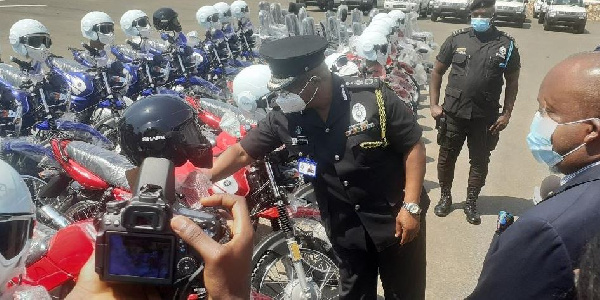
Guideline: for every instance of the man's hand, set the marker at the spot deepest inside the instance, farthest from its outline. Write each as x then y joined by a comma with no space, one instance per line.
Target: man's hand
407,226
436,111
500,124
228,266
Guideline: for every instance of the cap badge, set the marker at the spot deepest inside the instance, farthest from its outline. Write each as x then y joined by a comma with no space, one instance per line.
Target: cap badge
359,112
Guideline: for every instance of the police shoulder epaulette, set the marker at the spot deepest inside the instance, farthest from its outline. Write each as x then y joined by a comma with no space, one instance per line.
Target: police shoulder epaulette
353,83
457,32
508,35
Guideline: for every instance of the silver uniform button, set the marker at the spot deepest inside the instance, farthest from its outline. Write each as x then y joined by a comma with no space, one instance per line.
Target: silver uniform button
357,207
336,157
327,130
346,183
300,154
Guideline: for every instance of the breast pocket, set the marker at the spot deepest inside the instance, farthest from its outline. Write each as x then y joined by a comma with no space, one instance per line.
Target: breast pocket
365,156
300,149
459,64
493,67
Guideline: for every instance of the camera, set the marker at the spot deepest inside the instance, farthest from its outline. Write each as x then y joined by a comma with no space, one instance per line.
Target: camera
135,242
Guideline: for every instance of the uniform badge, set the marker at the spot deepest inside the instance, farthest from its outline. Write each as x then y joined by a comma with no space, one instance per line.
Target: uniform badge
298,130
502,52
359,112
461,50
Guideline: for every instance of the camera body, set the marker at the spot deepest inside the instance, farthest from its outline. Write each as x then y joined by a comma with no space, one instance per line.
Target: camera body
134,240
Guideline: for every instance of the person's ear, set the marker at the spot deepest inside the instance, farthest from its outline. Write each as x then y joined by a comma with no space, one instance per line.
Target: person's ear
593,132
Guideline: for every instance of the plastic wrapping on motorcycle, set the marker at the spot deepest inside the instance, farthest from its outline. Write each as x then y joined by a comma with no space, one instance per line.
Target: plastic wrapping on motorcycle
219,109
68,65
12,75
27,292
26,146
85,133
107,164
193,183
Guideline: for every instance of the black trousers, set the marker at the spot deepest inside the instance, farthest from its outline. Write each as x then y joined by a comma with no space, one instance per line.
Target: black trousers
480,141
401,268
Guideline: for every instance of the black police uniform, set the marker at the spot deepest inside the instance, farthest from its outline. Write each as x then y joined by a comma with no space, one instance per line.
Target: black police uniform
359,181
535,257
472,101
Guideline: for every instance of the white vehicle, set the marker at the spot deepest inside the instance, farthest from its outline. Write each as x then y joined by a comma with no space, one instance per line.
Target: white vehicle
511,11
570,13
537,8
406,6
451,8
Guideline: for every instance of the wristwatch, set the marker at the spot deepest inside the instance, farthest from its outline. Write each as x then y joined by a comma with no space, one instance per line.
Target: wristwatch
412,208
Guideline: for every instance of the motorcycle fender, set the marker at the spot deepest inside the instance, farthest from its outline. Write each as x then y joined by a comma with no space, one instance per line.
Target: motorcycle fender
273,242
72,247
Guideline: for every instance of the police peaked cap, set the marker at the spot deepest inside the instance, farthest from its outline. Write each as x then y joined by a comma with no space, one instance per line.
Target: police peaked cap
477,4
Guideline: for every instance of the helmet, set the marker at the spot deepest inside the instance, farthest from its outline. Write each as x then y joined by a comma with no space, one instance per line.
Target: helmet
164,126
239,9
372,46
98,26
383,17
397,15
135,23
166,19
339,63
17,213
250,85
207,16
224,12
379,26
30,38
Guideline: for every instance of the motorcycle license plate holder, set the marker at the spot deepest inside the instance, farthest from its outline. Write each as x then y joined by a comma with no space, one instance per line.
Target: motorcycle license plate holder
307,167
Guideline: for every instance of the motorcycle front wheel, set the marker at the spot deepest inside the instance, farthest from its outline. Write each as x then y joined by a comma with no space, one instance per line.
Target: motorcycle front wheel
83,210
273,271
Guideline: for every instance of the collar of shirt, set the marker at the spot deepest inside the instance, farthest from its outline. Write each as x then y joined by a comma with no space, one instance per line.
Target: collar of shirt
570,177
336,111
486,36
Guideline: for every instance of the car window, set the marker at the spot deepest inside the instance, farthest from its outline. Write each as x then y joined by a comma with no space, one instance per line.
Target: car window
568,2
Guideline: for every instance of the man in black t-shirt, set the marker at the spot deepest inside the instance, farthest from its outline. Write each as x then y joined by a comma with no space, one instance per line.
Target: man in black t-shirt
360,147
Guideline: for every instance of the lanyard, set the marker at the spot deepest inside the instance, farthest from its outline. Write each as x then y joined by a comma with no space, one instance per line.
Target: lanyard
504,65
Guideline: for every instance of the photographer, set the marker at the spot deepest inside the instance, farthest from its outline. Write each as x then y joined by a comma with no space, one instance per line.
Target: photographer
227,266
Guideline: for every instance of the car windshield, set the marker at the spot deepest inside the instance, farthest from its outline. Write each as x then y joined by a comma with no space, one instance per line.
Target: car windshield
515,1
568,2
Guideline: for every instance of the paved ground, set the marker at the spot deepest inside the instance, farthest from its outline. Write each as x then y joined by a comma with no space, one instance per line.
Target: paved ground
455,248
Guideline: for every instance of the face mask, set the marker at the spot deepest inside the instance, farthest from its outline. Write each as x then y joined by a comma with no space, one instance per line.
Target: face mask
480,24
382,58
539,140
291,103
106,39
38,54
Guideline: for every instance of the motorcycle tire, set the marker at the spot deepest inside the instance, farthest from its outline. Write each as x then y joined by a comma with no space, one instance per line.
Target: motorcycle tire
272,266
83,210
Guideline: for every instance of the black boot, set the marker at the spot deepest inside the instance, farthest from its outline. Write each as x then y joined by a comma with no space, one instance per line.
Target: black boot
473,216
444,207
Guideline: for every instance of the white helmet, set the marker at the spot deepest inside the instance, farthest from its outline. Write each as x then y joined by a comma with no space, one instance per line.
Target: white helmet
385,18
224,12
30,38
17,215
135,23
372,46
250,85
380,26
98,26
343,66
239,9
207,16
397,15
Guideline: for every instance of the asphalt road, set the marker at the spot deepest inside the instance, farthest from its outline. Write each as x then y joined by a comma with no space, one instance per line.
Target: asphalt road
455,249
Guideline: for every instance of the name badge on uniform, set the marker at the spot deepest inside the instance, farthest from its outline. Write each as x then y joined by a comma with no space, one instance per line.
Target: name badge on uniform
360,127
307,167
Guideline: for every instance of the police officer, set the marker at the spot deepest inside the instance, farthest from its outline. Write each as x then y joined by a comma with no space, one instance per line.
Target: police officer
360,146
481,58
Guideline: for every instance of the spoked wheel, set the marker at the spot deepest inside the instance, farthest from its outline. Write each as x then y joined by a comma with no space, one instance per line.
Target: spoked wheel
83,210
275,277
35,185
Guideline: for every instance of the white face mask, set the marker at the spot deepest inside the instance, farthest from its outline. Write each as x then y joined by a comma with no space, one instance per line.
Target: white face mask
38,54
106,39
291,103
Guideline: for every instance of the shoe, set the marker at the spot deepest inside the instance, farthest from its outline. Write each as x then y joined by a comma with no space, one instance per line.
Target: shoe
473,216
444,207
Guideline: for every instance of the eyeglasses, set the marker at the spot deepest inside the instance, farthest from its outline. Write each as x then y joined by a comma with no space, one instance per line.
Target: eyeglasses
104,28
141,22
36,40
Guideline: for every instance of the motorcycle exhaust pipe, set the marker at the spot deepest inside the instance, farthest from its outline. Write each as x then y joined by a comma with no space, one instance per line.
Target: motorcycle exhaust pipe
56,217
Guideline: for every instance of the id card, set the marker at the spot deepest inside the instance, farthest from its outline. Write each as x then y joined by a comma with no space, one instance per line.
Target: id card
307,167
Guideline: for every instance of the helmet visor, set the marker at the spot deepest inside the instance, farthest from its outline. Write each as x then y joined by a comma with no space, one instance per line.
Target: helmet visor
104,28
14,232
141,22
36,40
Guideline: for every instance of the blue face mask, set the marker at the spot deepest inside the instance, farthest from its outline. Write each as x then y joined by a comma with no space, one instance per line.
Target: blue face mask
539,140
481,24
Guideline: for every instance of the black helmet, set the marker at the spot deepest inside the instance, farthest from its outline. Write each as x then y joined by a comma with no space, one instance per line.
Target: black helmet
164,126
166,19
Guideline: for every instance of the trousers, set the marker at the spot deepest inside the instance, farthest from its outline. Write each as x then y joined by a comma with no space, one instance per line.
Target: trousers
480,141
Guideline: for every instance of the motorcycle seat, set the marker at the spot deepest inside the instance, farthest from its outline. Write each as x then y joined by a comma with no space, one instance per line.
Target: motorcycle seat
106,164
12,75
68,65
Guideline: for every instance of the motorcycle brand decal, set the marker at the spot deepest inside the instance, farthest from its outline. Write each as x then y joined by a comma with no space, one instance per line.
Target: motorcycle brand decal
153,138
461,50
307,167
502,52
359,112
227,185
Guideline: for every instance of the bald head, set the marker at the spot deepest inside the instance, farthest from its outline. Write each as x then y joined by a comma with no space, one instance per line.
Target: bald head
572,88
